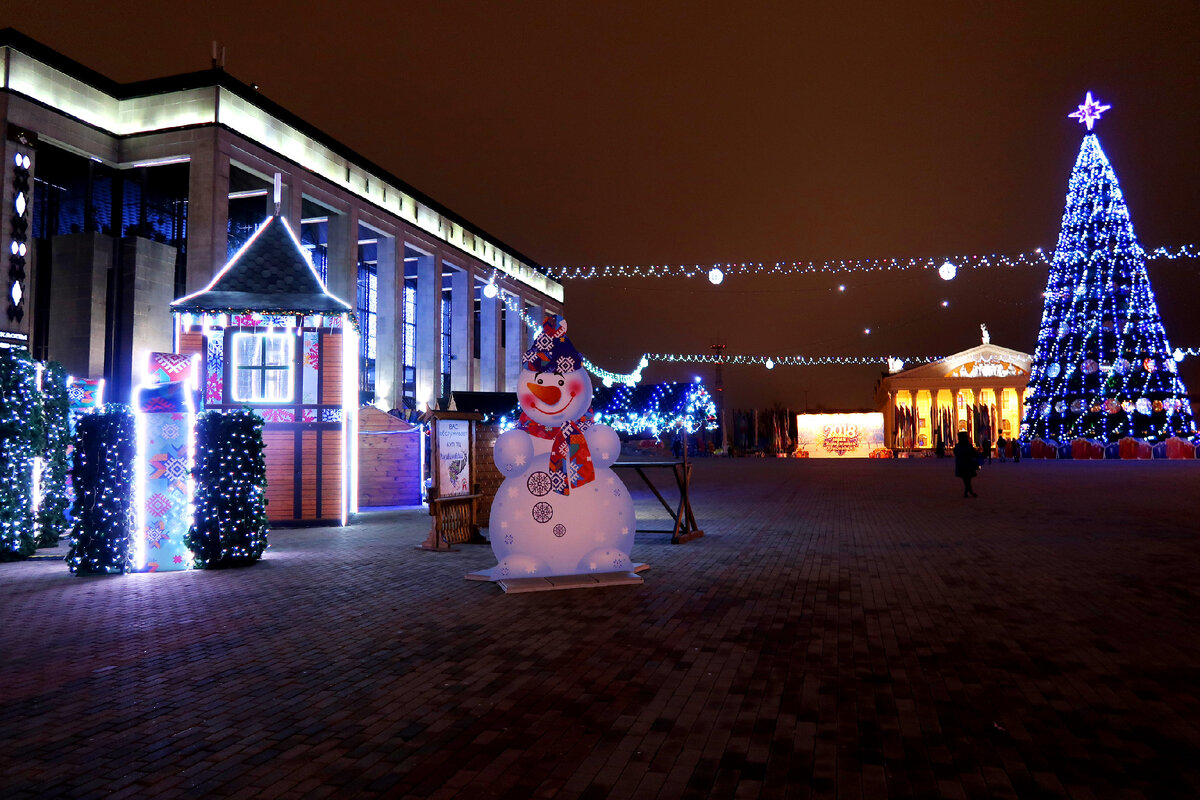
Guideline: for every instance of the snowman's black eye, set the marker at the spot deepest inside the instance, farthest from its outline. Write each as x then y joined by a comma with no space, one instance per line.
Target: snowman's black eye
560,381
539,380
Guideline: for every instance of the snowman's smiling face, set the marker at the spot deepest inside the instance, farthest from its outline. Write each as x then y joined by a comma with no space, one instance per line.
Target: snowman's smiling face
553,399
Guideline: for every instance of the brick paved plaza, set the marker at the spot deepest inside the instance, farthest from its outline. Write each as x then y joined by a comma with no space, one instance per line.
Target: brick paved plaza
849,629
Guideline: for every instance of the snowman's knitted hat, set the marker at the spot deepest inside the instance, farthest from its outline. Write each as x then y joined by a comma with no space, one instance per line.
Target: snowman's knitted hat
551,350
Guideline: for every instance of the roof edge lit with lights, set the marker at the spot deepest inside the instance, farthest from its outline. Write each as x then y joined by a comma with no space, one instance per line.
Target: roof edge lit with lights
213,97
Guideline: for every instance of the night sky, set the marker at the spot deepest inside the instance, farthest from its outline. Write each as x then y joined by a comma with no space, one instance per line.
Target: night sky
671,132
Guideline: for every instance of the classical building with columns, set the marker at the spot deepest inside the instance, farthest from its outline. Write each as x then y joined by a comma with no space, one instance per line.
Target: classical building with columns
131,195
984,377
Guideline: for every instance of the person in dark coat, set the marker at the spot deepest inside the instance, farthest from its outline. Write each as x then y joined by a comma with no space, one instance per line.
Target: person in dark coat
966,463
1002,448
940,448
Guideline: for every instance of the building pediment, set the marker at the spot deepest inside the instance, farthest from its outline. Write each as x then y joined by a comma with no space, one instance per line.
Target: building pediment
982,361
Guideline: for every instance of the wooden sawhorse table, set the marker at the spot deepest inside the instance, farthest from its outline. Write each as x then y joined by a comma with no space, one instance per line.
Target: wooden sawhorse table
686,528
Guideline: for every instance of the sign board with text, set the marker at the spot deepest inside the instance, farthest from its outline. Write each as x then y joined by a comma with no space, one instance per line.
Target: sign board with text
852,435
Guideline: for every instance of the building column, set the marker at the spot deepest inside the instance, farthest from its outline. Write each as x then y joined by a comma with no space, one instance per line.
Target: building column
462,307
489,344
514,342
1020,392
388,369
82,262
208,213
889,420
429,327
536,312
147,284
342,251
291,201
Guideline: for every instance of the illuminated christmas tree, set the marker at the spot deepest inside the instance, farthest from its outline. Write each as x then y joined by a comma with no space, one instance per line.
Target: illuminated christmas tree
1103,368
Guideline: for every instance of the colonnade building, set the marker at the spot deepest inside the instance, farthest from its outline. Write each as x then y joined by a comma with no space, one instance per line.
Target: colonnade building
950,390
119,198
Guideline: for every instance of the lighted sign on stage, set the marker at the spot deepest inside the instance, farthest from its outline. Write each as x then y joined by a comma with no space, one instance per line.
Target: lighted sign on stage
852,435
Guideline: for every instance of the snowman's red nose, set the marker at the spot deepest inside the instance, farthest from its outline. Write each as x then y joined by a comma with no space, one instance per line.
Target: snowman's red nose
547,394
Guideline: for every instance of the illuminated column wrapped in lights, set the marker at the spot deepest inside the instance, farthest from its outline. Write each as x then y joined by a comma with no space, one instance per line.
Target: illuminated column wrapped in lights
1103,368
102,472
230,510
56,427
19,420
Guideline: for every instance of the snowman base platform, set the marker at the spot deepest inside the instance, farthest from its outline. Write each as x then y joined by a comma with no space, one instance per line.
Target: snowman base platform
592,580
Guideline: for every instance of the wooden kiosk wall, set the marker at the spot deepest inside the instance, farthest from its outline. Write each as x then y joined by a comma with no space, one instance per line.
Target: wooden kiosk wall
304,442
389,460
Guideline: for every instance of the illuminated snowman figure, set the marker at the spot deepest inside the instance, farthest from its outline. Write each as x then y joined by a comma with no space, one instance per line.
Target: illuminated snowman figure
560,510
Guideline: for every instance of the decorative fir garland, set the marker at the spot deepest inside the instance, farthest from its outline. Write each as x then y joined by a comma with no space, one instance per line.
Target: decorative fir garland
230,524
20,442
103,476
56,411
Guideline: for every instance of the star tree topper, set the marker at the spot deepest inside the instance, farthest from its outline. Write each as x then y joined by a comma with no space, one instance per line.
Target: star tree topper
1090,111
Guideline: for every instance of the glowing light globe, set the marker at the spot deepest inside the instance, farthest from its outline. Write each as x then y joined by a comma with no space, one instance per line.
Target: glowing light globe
490,290
715,276
947,271
770,364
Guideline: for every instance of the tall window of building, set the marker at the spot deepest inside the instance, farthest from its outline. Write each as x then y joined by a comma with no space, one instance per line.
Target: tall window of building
408,332
314,235
446,351
477,320
368,306
249,205
73,194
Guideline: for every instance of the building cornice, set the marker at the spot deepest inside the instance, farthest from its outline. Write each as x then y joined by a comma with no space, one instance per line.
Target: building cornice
213,97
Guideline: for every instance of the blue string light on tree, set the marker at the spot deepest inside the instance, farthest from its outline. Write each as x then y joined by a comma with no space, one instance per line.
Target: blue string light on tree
1103,368
649,410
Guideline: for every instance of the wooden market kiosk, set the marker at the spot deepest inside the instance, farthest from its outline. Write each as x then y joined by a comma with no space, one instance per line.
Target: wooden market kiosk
270,336
949,391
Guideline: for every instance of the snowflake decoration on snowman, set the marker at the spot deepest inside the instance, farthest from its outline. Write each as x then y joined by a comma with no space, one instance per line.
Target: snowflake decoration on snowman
561,507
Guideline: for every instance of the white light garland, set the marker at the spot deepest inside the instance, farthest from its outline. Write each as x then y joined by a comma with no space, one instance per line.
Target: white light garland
891,362
771,361
716,273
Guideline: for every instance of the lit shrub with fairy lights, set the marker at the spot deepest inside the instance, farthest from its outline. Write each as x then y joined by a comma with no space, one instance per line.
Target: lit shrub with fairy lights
56,424
102,472
230,525
20,442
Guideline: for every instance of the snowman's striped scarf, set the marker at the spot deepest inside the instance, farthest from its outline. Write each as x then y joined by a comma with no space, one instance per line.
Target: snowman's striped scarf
570,459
